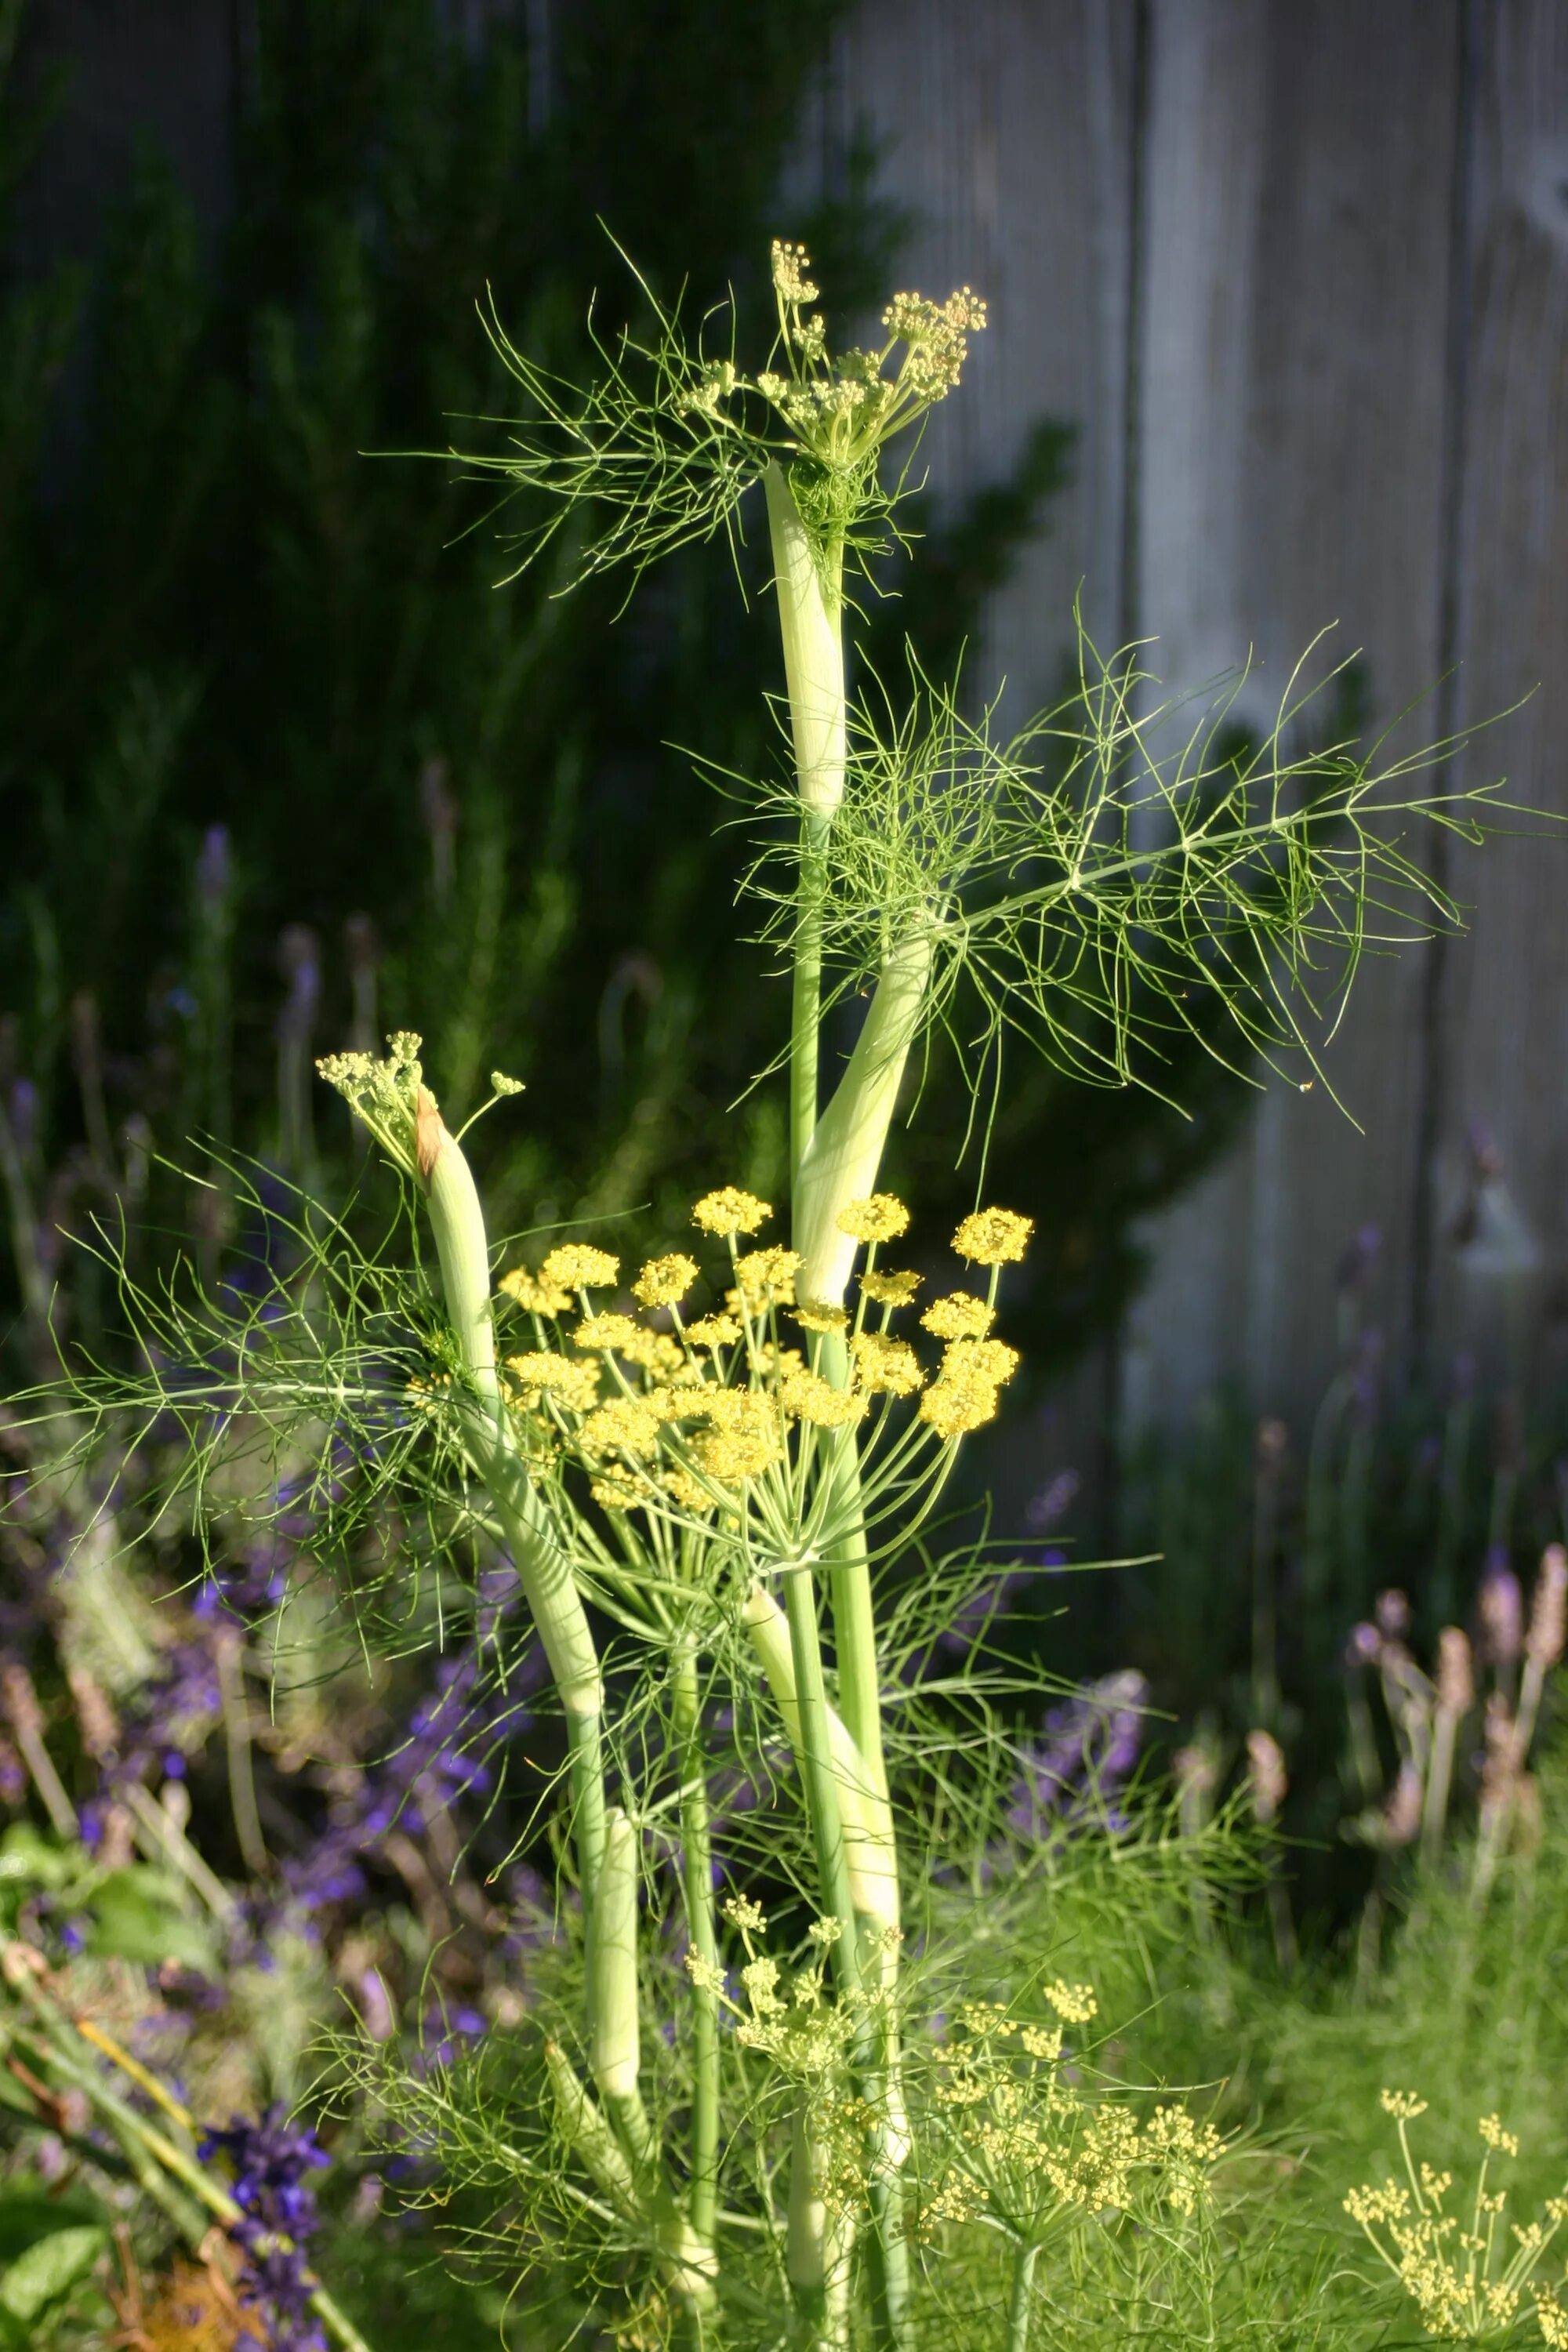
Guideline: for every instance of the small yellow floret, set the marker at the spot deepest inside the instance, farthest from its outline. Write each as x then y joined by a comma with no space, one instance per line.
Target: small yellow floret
811,1317
577,1265
817,1401
766,1276
537,1297
602,1332
731,1210
1404,2105
959,1316
991,1362
665,1281
891,1290
878,1218
713,1331
1492,2131
625,1426
540,1373
885,1366
1074,2004
992,1237
953,1409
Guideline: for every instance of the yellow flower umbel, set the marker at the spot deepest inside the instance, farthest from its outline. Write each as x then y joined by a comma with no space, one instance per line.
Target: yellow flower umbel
1029,2149
1467,2275
731,1210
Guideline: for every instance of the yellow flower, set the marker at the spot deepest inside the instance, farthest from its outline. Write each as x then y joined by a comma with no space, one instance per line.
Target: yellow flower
991,1362
952,1410
1492,2131
577,1386
731,1210
713,1331
959,1316
624,1426
654,1352
743,1437
878,1218
812,1317
884,1365
616,1494
579,1266
891,1290
665,1281
992,1237
1074,2004
683,1488
1404,2105
767,1275
604,1332
537,1297
818,1402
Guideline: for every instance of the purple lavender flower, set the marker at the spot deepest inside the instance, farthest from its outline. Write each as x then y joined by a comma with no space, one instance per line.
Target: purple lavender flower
270,2159
1090,1752
444,2030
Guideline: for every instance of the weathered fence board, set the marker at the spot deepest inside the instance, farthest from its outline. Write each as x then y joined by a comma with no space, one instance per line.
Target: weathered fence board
1005,129
1291,440
1504,1026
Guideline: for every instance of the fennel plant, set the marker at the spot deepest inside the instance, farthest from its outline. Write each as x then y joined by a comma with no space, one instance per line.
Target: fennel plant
715,1506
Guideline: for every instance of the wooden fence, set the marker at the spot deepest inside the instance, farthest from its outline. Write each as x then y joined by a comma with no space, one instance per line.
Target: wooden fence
1298,269
1298,272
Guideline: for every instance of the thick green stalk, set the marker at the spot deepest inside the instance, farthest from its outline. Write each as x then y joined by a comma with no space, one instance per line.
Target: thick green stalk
888,2247
614,2026
849,1587
814,1753
550,1588
806,1009
817,2245
808,579
864,1823
1021,2302
701,1924
844,1156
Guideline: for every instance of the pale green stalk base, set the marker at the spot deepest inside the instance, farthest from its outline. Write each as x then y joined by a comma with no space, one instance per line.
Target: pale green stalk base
1020,2304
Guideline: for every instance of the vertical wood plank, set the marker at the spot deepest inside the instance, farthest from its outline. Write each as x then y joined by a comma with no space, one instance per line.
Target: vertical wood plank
1504,1041
1300,177
1004,128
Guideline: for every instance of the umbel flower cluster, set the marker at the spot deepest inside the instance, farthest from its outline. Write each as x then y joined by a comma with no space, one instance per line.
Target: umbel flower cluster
1467,2273
704,1418
842,409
